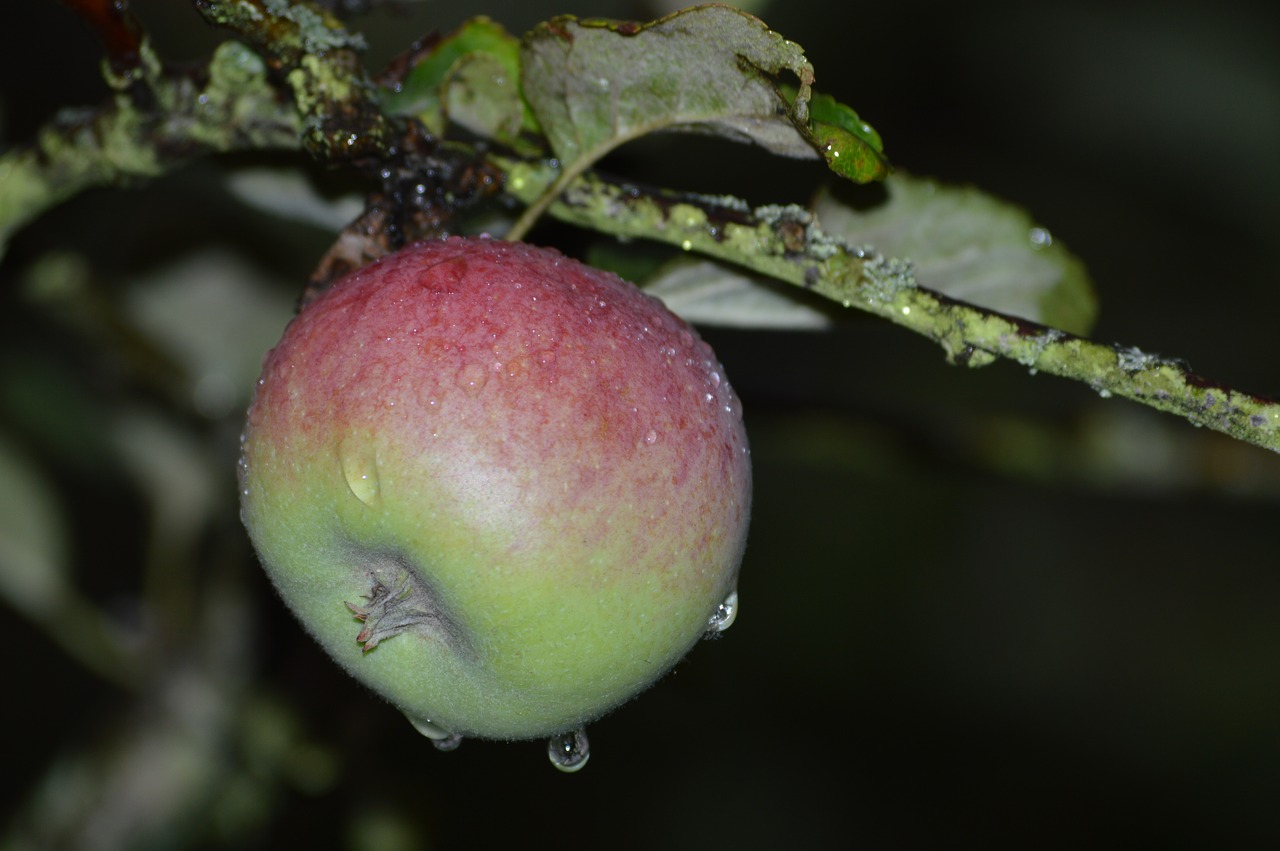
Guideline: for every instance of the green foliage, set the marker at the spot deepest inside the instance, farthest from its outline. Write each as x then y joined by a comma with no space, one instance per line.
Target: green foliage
470,78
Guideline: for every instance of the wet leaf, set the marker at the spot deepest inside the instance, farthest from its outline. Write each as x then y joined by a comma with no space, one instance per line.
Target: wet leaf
707,293
851,146
594,84
971,246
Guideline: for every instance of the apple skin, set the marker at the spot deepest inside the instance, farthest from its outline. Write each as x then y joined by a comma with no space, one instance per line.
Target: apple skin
530,480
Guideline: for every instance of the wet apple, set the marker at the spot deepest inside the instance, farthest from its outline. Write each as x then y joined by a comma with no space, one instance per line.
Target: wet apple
505,490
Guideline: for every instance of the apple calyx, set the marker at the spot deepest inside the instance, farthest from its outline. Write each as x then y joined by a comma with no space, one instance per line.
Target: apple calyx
390,609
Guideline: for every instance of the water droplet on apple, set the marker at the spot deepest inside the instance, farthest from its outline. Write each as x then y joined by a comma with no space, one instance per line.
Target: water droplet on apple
471,378
441,738
569,751
735,406
723,617
360,469
651,438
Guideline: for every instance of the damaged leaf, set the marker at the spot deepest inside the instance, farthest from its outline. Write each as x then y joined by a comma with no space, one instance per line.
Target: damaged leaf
594,84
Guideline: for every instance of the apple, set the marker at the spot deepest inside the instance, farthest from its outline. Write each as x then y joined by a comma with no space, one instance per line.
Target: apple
503,489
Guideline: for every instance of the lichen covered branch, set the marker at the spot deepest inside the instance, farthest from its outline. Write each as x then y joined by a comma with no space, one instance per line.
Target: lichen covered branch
319,61
786,243
157,120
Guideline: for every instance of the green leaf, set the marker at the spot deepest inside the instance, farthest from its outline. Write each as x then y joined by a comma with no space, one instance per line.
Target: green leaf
971,246
594,85
470,78
851,146
482,94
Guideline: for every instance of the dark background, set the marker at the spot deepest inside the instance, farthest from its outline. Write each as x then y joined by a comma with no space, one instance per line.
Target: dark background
978,608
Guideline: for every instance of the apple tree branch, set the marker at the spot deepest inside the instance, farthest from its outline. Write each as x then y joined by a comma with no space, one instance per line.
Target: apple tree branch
788,244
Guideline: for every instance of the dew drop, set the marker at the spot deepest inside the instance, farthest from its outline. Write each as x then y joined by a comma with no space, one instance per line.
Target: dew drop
471,378
723,617
360,469
735,406
569,751
1040,238
651,438
441,738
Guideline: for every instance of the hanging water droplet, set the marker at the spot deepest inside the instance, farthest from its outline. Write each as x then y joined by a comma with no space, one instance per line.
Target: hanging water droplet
1040,238
723,617
569,751
448,743
439,736
360,469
